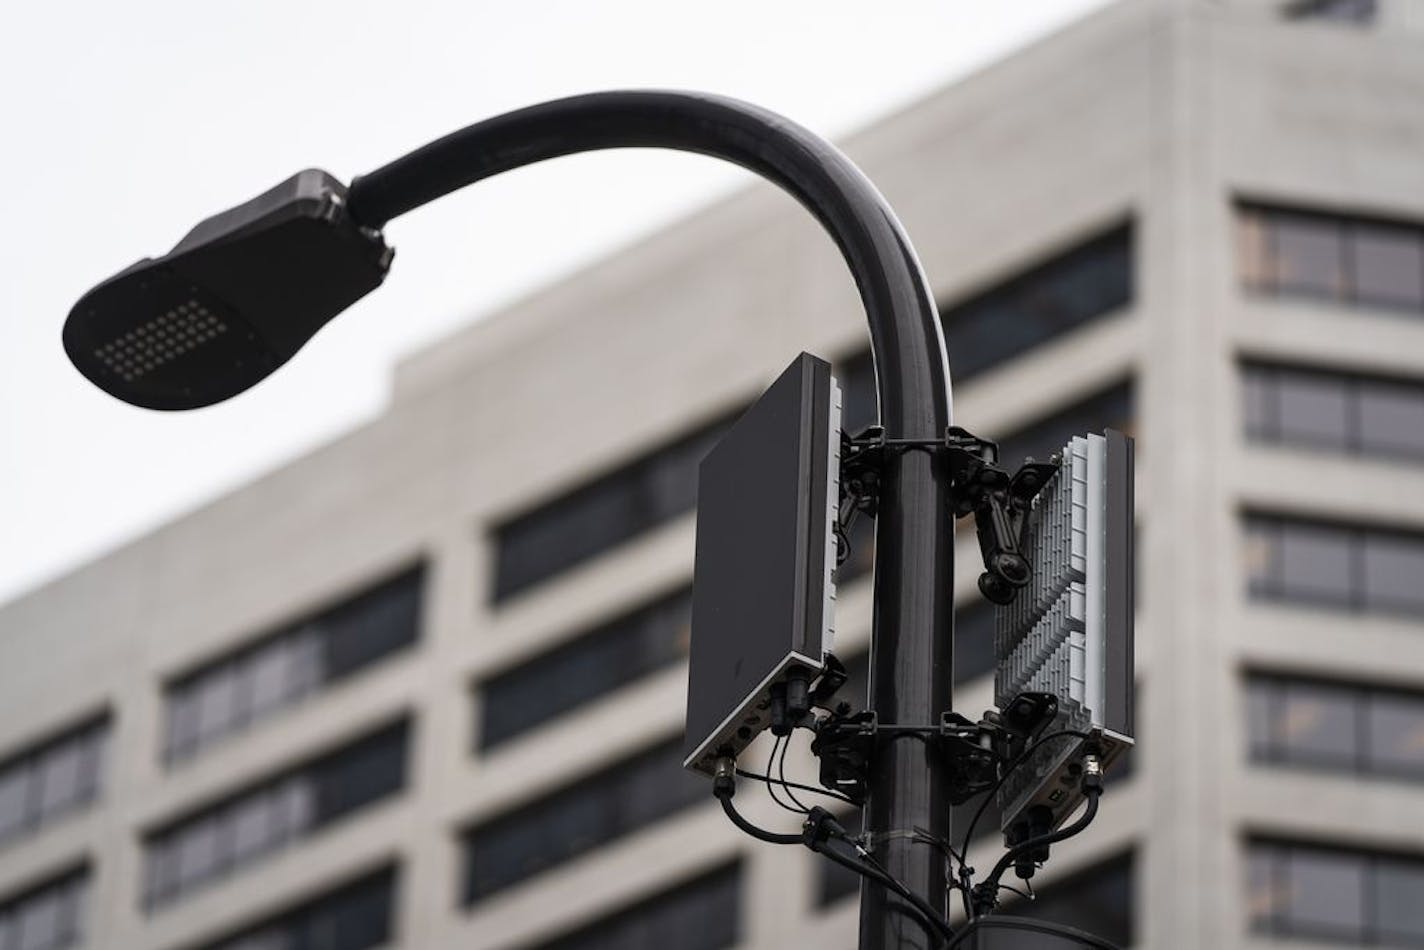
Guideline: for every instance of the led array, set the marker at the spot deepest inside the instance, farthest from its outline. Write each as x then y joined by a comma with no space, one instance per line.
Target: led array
160,340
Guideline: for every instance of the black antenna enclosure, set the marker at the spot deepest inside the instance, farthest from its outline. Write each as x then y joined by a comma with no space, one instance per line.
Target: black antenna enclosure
763,597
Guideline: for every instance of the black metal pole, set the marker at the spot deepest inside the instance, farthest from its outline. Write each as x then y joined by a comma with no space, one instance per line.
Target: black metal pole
914,574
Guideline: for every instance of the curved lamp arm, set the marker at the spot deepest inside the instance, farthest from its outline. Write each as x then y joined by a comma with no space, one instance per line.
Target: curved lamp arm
245,289
914,576
906,338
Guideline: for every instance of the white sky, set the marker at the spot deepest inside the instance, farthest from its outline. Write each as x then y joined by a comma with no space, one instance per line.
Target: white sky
125,123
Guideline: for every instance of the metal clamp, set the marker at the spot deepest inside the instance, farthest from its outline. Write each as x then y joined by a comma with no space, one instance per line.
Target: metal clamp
978,486
847,744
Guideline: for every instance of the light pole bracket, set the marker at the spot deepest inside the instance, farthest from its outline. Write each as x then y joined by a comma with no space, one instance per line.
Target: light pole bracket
978,486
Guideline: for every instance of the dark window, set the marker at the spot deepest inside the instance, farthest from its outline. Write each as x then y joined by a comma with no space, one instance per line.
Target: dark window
973,653
704,914
1341,258
858,410
354,917
48,917
587,814
856,690
1340,11
223,838
1335,894
1109,409
992,327
585,668
51,779
856,376
1367,569
1337,726
973,640
232,693
834,882
1098,900
1338,412
1040,304
636,498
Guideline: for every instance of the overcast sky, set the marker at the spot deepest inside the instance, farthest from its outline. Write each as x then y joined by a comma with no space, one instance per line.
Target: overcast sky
125,123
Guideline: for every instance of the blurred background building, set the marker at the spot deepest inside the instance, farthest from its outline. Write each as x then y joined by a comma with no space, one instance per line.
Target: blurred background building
424,686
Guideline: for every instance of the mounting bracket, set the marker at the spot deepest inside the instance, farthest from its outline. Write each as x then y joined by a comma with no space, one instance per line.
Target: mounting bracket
978,486
848,743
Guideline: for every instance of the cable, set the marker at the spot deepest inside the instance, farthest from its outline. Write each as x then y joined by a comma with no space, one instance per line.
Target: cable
822,828
1001,922
819,827
781,776
761,834
1018,760
991,883
1026,895
933,923
942,844
838,796
770,786
966,890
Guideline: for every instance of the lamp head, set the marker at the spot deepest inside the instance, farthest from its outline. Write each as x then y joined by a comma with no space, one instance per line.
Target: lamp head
234,300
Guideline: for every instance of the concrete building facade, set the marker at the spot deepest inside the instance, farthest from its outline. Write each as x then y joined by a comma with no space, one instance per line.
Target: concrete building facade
419,687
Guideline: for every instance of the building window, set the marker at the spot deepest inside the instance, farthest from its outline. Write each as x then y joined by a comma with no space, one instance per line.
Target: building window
224,838
1350,260
1367,569
973,653
1355,897
1051,298
572,821
48,917
52,779
1339,11
621,505
704,914
835,882
973,640
587,667
1336,726
1337,412
856,376
243,688
1109,409
1044,302
356,916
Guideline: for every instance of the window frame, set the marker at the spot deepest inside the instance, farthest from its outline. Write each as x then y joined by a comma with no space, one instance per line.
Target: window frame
304,639
163,846
1267,860
1263,385
90,740
1268,749
1268,582
572,794
624,630
1259,259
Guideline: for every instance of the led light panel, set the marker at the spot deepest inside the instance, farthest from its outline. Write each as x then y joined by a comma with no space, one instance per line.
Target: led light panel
231,302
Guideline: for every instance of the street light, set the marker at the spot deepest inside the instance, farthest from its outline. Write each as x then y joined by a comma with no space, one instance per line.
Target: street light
234,300
246,289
